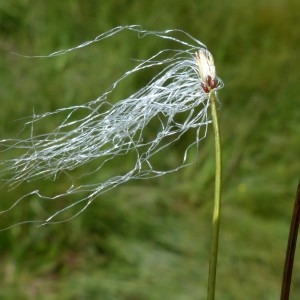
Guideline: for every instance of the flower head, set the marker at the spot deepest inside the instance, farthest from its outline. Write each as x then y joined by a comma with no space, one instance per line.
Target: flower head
207,70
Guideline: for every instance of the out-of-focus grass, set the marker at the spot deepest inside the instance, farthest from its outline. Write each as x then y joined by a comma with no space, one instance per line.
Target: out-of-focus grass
150,239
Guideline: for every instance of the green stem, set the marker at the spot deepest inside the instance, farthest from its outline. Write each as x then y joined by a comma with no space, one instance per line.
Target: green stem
217,201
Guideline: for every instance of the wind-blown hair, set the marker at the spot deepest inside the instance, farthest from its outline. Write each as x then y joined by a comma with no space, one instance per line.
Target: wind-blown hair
99,131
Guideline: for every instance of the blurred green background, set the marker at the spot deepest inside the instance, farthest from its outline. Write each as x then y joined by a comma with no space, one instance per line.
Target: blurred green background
151,239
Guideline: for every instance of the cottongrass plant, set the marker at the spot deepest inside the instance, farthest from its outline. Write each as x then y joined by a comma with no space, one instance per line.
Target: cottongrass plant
96,133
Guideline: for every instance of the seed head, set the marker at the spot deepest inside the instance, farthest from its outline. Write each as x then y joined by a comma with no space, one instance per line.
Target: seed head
207,70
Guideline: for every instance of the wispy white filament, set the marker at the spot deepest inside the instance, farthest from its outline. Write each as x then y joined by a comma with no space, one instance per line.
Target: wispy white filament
99,131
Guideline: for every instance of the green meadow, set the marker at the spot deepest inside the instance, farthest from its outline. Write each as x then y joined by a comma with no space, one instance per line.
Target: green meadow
150,239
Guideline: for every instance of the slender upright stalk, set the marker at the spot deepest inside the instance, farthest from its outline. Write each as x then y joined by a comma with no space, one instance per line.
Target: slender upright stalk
291,247
217,201
209,82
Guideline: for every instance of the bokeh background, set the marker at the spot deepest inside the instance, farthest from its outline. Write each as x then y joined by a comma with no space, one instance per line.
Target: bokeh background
151,239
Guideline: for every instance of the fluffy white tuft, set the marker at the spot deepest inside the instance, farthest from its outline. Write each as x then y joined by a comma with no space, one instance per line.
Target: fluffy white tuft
98,132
